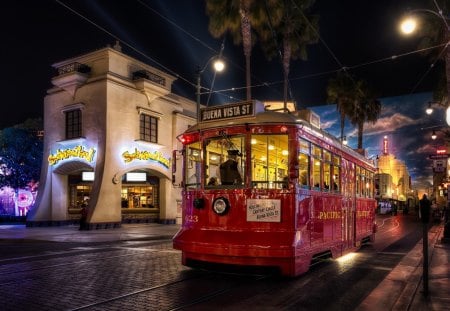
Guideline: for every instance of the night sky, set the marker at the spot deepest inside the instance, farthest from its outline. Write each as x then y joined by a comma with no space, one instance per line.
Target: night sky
361,35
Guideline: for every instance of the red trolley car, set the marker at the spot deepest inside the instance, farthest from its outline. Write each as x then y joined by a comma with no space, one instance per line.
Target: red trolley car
302,193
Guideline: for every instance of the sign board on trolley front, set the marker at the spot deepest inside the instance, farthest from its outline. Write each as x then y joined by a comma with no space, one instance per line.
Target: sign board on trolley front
263,210
238,110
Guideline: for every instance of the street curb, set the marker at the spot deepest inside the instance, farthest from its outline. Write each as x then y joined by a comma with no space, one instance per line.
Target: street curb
412,287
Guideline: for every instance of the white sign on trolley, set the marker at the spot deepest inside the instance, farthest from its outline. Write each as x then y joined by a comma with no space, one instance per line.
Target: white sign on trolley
264,210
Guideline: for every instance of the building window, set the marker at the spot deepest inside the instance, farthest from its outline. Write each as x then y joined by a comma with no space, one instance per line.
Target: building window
73,124
148,128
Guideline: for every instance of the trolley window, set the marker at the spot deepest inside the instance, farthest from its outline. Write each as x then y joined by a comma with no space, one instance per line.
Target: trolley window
336,173
304,163
326,170
269,161
316,167
358,181
224,161
364,184
370,183
193,165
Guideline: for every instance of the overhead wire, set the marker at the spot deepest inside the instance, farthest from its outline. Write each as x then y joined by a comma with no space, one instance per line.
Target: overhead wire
122,41
233,89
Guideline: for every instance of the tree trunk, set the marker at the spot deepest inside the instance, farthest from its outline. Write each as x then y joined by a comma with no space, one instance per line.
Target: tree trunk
360,134
247,44
342,125
286,61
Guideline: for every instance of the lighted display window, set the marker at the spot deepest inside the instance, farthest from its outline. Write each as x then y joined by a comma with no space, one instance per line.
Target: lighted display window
140,196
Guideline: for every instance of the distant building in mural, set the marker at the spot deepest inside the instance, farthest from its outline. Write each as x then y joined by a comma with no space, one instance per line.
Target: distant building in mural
393,182
111,124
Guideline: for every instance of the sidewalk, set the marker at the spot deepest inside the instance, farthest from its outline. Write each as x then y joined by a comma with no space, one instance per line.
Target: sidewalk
72,234
402,289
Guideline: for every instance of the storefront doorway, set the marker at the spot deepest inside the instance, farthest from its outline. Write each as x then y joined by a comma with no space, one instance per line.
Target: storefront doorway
140,197
79,190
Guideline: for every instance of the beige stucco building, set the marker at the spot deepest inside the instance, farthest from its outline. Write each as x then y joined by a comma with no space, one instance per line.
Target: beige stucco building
110,124
393,178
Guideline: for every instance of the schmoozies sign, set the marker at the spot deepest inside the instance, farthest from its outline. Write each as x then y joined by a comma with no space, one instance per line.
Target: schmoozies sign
76,152
137,154
231,111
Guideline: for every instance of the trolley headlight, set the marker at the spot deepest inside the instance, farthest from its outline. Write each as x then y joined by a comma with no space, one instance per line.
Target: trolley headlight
221,206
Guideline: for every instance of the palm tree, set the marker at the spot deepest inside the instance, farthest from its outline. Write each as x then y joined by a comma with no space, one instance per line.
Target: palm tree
367,108
287,22
233,16
341,91
238,17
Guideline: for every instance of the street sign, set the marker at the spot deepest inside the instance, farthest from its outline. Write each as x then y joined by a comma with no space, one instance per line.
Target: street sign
439,156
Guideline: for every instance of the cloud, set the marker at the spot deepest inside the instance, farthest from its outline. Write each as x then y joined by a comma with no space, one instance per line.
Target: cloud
389,124
324,125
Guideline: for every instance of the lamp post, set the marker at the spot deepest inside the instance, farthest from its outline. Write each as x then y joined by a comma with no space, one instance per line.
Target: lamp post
219,66
409,25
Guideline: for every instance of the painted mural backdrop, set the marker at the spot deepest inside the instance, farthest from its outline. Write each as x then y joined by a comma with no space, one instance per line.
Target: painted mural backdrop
407,127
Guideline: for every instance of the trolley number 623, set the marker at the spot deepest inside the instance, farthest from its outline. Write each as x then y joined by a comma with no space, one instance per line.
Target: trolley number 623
191,218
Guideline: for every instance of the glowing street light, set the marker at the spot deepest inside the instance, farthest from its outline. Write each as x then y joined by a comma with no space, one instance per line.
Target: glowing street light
409,25
218,66
429,109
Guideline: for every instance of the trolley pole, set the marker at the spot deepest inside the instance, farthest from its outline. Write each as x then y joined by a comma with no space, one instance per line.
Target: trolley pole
425,258
425,207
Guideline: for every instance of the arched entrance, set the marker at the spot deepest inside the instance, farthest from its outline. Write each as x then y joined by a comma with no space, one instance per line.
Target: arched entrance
80,177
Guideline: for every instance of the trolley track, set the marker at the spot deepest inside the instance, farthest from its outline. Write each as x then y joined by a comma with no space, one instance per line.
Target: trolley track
91,251
211,285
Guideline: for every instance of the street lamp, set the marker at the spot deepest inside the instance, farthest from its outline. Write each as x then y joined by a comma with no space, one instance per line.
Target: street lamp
409,25
433,136
429,109
219,66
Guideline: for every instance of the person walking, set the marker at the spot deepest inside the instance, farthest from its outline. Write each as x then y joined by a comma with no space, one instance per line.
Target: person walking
83,218
425,209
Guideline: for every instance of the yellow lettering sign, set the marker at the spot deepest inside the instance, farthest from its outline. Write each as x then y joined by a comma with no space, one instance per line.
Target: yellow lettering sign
76,152
362,214
329,215
146,155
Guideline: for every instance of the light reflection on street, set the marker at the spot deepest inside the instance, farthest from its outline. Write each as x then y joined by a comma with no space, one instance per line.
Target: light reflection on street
392,225
347,261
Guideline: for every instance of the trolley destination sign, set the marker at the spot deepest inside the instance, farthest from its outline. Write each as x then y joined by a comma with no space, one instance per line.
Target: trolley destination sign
238,110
